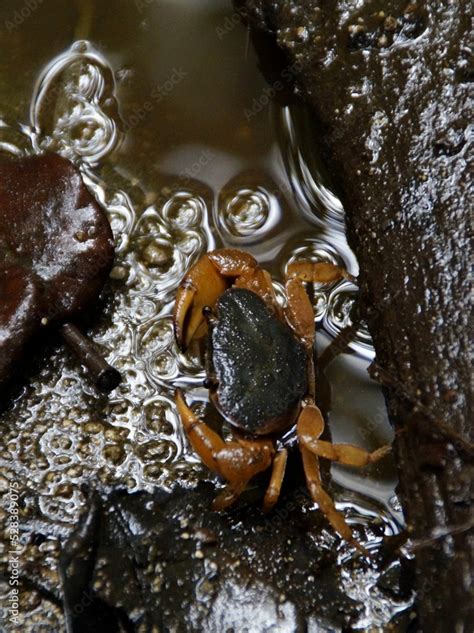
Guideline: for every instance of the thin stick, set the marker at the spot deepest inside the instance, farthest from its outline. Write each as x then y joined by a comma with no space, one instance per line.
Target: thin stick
105,377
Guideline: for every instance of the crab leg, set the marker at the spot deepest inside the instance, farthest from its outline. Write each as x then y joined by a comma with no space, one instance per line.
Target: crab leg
345,453
206,442
246,273
318,272
237,461
259,281
299,312
324,501
278,474
310,429
300,316
231,262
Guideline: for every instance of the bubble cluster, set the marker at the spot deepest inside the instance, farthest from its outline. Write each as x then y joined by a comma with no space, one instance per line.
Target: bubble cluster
73,109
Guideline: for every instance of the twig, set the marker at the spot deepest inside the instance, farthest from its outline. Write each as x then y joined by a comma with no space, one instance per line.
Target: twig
105,377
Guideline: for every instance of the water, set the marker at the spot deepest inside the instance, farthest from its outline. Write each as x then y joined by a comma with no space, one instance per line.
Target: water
156,105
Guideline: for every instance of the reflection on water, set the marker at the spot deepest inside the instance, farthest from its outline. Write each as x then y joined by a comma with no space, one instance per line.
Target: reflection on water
163,142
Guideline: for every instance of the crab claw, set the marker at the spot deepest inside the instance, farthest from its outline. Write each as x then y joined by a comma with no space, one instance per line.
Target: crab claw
201,287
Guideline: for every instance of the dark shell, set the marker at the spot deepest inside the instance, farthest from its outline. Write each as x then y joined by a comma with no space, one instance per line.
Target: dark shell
260,365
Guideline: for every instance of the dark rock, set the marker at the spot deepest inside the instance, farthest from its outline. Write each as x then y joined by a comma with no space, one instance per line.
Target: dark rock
390,86
56,251
147,560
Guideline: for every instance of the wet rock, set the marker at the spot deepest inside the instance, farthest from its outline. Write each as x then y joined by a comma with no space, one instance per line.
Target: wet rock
159,560
390,87
56,251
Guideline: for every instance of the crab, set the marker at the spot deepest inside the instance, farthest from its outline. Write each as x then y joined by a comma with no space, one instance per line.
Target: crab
260,375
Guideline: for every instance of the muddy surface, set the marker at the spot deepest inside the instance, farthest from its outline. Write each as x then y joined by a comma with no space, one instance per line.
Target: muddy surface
390,83
182,569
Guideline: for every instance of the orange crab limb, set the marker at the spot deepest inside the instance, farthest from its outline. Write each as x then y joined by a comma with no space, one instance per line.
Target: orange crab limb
231,262
245,271
345,453
324,501
278,474
201,287
310,428
243,459
318,272
259,281
204,440
311,425
227,497
237,462
300,313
